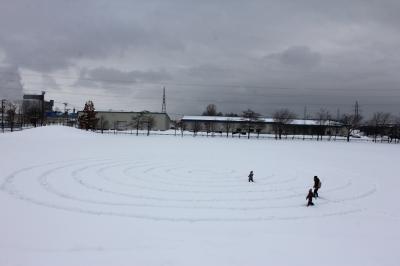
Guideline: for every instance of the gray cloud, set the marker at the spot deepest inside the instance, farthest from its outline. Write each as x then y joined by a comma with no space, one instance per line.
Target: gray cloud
260,54
115,76
49,82
298,56
118,81
52,35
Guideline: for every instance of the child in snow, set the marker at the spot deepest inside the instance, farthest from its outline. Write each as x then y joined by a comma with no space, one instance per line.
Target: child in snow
251,176
310,197
317,185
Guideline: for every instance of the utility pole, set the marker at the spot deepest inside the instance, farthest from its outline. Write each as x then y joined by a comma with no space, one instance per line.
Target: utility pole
337,120
20,117
65,113
357,117
164,104
304,121
43,111
2,114
338,115
73,117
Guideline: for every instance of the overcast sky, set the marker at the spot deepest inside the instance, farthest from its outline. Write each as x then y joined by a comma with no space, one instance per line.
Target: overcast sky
262,55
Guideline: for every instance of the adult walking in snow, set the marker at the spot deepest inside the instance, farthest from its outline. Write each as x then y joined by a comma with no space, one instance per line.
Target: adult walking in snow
310,197
317,185
251,176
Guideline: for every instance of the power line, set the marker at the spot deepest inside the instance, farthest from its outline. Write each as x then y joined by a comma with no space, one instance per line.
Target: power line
266,95
189,84
236,101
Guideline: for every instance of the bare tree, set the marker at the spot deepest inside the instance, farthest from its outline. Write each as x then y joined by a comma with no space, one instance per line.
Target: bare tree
347,121
228,126
350,122
211,110
103,123
196,127
282,118
137,121
379,121
149,121
182,126
395,134
252,118
239,130
259,128
11,115
175,124
209,126
323,116
20,116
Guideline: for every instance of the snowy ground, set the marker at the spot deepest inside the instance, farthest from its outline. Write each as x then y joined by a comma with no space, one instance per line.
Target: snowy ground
70,197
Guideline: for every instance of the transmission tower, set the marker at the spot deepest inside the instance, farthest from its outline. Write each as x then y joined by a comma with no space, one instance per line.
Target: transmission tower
164,104
356,113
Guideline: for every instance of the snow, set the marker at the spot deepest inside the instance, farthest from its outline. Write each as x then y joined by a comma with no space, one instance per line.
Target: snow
71,197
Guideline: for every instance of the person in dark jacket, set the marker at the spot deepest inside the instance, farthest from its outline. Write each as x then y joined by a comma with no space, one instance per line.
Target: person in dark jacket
317,185
251,176
310,197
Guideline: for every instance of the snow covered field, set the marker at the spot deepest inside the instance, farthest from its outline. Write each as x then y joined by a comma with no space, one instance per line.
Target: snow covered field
70,197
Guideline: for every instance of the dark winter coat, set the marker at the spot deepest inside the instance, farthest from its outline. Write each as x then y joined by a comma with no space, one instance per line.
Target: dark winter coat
310,196
317,183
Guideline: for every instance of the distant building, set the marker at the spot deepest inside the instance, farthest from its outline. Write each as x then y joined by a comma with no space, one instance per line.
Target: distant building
37,99
241,125
35,107
121,120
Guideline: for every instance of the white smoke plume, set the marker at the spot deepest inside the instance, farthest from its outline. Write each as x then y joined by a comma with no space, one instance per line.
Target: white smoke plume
11,87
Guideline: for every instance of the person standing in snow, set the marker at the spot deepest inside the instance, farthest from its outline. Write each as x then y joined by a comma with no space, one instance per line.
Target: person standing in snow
251,176
310,197
317,185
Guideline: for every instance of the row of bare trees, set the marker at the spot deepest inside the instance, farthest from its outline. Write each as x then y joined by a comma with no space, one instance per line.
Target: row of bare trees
282,118
383,124
15,114
322,123
143,119
251,122
8,115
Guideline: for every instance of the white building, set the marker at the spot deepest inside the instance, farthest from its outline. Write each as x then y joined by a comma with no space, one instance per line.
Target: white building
241,125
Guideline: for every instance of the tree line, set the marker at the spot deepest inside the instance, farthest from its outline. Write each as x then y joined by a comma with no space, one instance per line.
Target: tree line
17,114
381,124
